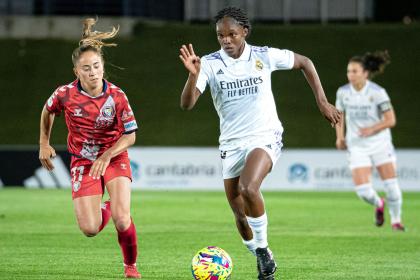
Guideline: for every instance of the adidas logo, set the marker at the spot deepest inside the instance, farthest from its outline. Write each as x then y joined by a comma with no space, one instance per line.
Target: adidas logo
59,177
220,72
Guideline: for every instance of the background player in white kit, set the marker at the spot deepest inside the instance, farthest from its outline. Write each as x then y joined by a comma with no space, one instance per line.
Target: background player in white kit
368,119
239,76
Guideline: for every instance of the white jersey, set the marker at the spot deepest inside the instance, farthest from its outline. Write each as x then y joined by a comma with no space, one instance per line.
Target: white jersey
241,91
362,109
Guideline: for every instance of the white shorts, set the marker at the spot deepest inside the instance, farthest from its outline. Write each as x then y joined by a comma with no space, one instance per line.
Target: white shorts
233,160
358,159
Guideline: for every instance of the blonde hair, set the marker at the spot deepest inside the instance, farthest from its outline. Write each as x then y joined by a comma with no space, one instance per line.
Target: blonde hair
92,40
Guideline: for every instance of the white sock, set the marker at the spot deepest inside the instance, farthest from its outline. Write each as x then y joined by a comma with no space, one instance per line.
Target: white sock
394,198
251,245
368,194
259,230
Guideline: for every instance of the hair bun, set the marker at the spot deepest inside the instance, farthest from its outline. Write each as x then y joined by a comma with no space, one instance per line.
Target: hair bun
376,62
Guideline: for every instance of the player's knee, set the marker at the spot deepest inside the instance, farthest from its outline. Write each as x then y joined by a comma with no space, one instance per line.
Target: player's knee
249,189
122,222
89,230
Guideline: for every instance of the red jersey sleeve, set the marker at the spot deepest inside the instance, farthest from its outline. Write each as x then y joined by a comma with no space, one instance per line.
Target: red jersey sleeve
54,104
125,116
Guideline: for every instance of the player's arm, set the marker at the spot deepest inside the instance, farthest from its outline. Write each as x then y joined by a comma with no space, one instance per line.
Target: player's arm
192,63
100,164
388,121
46,152
340,143
328,111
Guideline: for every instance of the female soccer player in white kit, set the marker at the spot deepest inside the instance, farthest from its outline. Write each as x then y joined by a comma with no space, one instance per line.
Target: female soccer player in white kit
368,119
239,76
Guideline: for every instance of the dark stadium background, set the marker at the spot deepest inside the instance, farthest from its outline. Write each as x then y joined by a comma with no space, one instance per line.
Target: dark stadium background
153,76
323,233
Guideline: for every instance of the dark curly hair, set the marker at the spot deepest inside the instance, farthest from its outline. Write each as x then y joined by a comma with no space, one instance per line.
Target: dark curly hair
237,14
373,62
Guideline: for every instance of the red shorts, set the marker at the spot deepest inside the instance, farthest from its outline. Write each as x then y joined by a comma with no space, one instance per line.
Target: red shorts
84,185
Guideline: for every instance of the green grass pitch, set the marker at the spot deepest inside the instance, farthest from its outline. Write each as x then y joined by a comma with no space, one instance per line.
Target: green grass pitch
314,235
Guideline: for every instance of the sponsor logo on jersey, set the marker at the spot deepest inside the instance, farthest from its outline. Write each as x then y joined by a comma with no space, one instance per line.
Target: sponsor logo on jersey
244,87
259,65
90,150
77,112
220,72
241,83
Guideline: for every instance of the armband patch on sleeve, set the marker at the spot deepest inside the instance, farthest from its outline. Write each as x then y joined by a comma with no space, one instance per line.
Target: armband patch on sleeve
129,126
385,106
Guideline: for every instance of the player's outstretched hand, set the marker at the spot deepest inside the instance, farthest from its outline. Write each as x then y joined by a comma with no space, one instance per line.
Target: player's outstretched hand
99,166
46,153
190,60
331,113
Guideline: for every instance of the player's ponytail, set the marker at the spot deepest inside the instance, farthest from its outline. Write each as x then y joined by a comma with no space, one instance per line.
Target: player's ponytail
373,62
93,40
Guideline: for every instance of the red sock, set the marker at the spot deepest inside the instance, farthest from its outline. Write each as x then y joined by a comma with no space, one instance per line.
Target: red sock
106,214
128,244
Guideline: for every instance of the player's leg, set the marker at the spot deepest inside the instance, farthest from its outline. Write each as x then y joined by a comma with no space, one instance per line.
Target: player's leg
233,162
236,203
88,214
87,194
117,181
388,175
361,169
365,191
120,195
258,164
362,181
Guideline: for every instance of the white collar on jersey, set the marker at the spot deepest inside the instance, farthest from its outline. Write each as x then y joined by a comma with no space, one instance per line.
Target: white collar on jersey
246,54
362,91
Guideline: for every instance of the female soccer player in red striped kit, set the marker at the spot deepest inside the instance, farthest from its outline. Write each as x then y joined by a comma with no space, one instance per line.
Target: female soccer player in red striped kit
101,126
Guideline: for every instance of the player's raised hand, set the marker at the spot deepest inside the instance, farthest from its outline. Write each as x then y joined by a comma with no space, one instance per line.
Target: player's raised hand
331,113
191,61
46,153
99,166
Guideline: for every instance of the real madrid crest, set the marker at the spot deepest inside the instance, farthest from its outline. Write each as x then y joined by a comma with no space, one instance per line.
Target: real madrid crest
259,65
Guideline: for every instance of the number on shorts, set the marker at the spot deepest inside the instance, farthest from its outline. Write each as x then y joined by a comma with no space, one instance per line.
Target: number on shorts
74,173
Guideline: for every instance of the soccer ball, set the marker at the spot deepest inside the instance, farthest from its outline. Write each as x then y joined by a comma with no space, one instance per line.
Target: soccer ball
211,263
